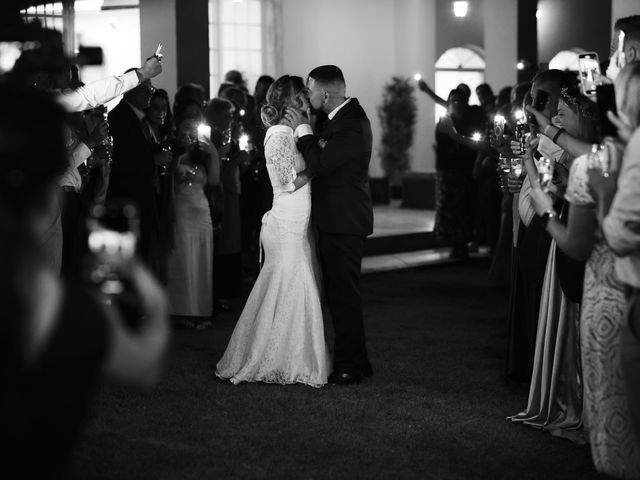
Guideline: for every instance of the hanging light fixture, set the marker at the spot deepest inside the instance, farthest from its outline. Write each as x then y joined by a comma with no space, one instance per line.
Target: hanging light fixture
460,9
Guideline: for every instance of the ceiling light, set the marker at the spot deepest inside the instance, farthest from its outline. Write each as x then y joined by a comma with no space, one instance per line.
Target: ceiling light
460,9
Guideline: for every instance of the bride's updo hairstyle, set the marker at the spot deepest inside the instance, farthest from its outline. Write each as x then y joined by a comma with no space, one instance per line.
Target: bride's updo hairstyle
287,91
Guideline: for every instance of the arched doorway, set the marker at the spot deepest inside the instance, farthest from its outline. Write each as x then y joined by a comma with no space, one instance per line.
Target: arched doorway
459,65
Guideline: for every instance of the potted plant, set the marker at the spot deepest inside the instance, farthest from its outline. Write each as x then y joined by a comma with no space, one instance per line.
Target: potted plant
397,115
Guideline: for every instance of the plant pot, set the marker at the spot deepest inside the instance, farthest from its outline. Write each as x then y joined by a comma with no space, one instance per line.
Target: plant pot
396,192
419,191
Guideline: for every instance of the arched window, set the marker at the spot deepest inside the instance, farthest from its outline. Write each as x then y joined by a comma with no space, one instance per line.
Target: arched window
459,65
566,60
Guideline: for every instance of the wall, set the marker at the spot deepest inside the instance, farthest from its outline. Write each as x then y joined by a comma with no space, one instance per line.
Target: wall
415,51
458,32
567,24
158,25
357,35
623,8
117,32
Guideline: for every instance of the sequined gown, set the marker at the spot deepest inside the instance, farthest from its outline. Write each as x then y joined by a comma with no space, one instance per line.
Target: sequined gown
279,337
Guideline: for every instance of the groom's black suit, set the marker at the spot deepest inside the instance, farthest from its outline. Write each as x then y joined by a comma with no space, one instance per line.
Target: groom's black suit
342,213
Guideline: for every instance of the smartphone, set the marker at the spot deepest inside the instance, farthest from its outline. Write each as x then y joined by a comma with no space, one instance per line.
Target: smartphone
589,68
606,99
204,131
113,232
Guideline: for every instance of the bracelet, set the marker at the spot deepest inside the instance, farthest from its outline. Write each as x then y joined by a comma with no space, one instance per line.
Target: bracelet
558,133
546,129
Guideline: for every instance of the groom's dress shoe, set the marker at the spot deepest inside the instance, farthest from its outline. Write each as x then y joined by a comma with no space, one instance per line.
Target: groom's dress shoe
342,378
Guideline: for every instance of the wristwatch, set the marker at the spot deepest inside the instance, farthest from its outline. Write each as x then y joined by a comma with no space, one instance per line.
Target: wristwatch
547,216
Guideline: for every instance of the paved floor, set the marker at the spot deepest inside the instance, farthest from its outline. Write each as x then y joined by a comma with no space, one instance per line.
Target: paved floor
393,220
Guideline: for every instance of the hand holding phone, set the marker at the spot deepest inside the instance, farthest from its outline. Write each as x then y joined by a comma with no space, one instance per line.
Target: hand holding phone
589,68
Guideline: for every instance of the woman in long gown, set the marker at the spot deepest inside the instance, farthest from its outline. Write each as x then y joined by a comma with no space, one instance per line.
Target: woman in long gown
613,446
190,263
279,337
555,401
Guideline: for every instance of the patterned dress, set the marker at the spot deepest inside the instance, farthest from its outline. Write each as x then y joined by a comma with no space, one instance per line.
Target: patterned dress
613,446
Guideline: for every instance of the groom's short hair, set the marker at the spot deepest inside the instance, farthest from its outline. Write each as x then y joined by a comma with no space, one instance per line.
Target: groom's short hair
327,75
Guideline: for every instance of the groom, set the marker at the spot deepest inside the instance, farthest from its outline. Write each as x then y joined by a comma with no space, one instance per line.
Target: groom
338,162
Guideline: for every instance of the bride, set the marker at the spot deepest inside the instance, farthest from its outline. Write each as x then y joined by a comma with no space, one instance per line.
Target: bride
279,337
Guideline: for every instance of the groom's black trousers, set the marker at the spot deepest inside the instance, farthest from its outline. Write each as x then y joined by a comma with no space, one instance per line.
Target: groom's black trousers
341,260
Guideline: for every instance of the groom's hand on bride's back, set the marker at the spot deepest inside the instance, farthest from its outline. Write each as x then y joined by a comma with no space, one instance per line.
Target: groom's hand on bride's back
294,118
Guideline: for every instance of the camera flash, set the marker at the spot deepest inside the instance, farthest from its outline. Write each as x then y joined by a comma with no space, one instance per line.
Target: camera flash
417,77
476,137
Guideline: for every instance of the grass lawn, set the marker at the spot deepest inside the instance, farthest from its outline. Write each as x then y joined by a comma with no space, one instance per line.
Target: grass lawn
435,408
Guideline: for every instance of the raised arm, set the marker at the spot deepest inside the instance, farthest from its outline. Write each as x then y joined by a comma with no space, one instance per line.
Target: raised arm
281,151
423,86
621,224
106,89
577,237
574,146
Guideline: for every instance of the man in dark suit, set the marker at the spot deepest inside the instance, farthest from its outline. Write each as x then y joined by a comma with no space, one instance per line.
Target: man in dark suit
135,158
338,161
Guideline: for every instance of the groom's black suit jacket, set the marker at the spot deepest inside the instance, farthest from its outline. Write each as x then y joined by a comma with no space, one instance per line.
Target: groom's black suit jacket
341,200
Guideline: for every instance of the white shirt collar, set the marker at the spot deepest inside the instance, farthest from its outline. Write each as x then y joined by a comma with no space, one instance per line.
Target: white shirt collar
335,111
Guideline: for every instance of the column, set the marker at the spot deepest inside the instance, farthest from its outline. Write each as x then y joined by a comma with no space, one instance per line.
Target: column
501,43
415,46
192,28
528,38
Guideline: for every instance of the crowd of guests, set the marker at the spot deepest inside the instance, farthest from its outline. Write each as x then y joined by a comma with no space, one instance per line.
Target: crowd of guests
194,170
563,220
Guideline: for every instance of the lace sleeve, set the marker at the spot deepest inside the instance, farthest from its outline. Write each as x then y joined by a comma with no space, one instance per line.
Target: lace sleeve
281,151
578,187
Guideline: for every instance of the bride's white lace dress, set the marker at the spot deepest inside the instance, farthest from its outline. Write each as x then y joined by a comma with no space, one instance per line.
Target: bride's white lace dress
279,337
